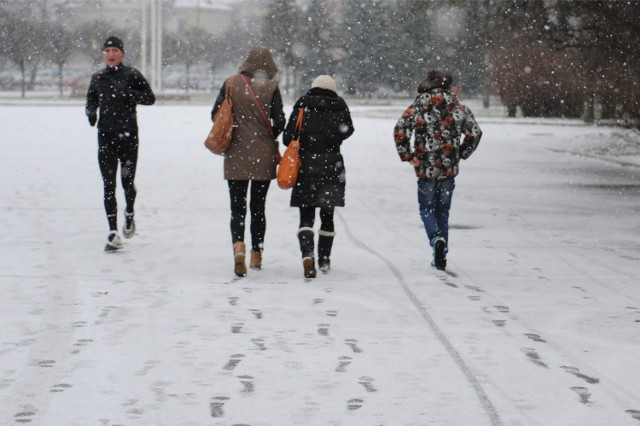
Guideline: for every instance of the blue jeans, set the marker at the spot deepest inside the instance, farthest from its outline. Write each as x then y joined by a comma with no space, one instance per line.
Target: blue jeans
434,202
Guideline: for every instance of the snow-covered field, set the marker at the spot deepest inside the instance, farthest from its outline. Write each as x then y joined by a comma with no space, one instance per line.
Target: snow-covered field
536,322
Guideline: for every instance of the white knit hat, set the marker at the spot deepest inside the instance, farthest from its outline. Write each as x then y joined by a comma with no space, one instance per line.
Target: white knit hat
325,82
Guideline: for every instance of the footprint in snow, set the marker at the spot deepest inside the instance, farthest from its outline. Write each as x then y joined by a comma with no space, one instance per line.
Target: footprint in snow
500,323
247,382
24,416
366,381
577,373
259,343
583,392
82,342
343,362
353,343
61,387
216,404
233,361
535,337
634,413
354,403
323,329
534,357
446,281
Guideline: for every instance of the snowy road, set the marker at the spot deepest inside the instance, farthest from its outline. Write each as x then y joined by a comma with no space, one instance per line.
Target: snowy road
537,321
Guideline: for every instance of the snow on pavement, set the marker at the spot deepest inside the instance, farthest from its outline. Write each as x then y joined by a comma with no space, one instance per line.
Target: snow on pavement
535,323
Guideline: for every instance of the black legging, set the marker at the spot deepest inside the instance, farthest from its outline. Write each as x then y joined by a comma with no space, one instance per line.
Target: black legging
308,217
238,194
113,148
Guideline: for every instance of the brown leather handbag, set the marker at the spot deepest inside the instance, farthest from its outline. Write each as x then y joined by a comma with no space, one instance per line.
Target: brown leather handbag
290,163
219,137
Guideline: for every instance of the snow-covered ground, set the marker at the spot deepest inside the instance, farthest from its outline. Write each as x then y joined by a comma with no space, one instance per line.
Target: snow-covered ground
536,322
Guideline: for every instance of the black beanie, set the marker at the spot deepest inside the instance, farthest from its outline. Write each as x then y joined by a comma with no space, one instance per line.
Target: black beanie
436,79
113,41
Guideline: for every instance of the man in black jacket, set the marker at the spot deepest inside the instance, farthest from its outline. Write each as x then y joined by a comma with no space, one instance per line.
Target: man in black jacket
116,90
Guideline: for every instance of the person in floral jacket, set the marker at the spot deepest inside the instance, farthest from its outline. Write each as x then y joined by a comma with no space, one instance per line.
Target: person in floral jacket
445,132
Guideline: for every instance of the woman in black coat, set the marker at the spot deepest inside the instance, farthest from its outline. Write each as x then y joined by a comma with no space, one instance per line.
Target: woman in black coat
321,179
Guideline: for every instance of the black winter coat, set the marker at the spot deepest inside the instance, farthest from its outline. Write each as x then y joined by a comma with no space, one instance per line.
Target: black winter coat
327,122
117,91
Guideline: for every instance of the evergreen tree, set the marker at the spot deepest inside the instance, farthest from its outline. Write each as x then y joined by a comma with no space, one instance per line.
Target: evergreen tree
317,42
370,46
280,29
415,43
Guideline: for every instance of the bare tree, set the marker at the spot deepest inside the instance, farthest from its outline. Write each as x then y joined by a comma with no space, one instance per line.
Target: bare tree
190,48
60,49
20,40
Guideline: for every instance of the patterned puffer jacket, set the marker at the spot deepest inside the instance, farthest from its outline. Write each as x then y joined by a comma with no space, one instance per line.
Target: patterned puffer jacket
439,122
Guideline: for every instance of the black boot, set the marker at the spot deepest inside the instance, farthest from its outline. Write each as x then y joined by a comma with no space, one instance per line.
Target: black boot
305,236
325,242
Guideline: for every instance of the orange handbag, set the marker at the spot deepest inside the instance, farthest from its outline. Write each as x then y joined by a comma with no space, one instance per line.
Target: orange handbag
219,137
290,163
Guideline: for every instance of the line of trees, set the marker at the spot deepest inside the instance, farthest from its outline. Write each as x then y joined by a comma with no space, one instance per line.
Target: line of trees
553,58
34,35
543,57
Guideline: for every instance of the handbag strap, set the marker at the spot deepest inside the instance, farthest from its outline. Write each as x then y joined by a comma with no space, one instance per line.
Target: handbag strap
229,87
298,128
255,99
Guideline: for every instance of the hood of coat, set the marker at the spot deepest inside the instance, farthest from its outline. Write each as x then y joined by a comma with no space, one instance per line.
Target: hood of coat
259,60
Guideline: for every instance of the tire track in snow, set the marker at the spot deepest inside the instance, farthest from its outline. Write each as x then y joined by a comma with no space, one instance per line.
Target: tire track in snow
453,353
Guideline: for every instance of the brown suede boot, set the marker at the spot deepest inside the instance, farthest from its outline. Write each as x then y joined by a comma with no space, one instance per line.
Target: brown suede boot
240,268
309,267
256,260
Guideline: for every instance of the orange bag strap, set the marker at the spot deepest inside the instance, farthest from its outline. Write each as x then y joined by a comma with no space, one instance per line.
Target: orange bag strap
298,129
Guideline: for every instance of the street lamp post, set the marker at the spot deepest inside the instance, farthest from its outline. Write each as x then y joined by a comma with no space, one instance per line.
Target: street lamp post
155,32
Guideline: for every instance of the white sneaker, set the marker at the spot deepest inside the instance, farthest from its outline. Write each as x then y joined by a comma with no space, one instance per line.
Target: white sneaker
129,229
113,241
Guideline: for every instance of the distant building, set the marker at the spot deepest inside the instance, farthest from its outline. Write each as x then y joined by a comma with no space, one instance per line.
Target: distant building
212,16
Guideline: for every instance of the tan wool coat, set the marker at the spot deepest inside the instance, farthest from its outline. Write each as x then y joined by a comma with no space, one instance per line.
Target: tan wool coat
253,151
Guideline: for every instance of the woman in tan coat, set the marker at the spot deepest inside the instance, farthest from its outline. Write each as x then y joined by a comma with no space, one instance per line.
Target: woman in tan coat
251,160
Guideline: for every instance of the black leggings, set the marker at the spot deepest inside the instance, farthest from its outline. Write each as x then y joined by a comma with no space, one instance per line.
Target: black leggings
308,216
116,147
238,193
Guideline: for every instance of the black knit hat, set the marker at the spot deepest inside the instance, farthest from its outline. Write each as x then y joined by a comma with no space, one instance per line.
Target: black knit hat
113,41
436,79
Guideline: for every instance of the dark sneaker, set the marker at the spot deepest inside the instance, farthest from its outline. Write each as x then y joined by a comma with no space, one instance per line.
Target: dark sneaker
439,255
113,242
129,229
